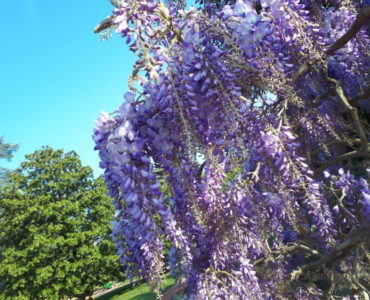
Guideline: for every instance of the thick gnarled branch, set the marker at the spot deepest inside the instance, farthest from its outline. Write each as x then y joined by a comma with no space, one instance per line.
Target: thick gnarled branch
353,239
362,17
365,153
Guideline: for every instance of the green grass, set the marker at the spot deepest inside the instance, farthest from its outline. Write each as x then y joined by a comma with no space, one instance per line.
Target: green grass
140,292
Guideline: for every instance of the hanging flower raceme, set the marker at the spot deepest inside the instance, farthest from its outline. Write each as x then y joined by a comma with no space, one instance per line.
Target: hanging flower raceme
223,151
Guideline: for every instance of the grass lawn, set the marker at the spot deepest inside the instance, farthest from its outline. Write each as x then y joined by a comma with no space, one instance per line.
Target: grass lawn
140,292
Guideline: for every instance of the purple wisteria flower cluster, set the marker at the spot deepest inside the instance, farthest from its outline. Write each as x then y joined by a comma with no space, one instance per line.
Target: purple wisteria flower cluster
244,145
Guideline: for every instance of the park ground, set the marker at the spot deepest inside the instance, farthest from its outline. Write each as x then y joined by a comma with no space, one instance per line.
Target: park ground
126,291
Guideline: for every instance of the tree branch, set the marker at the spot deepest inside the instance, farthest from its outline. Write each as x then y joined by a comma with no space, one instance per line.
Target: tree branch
353,239
349,155
302,70
349,108
362,17
345,210
290,248
344,142
107,23
116,3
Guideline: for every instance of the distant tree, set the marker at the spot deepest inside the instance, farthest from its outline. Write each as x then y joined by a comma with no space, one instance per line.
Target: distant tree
55,226
6,152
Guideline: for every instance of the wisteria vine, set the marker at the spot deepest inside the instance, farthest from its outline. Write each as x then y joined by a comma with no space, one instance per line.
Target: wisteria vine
243,143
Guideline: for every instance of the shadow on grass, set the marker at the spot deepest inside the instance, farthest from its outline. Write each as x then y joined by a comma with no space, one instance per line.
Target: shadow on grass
140,292
145,296
115,292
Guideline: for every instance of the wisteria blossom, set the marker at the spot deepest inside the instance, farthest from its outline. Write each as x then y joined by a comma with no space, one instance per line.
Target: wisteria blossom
243,143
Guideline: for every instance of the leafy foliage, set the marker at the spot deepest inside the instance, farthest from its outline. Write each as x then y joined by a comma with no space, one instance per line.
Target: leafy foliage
55,229
6,152
7,149
258,114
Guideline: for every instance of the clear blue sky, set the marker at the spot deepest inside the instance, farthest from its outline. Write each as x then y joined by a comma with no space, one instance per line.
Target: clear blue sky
56,76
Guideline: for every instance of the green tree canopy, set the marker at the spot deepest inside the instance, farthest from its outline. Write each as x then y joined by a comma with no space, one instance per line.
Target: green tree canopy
7,149
6,152
55,226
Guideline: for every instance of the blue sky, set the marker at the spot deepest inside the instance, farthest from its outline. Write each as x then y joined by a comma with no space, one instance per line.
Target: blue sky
56,76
